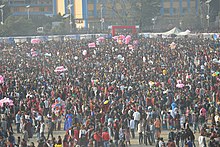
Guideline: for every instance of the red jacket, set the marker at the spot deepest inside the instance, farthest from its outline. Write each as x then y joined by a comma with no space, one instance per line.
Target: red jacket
105,136
97,137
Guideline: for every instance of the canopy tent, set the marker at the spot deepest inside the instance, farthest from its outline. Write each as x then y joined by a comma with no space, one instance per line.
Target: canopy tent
175,31
187,32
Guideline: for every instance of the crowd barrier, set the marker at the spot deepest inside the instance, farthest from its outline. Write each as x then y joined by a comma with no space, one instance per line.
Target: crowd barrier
91,36
52,37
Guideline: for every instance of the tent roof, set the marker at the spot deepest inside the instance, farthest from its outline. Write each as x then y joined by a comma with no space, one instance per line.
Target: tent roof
175,30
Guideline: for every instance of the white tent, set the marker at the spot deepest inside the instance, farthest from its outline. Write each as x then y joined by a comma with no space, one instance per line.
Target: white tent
187,32
175,31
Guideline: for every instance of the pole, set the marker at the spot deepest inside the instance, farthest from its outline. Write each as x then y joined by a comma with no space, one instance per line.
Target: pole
70,20
101,17
70,9
28,11
208,14
2,13
2,22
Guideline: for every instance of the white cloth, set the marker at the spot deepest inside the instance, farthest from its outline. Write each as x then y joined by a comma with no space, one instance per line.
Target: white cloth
137,115
201,141
140,128
132,124
82,132
46,104
42,127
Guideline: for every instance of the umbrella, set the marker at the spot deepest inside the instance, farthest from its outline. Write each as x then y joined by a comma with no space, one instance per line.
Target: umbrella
180,85
60,69
5,101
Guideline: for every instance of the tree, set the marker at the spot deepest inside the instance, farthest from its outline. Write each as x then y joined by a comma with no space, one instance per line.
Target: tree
139,12
145,10
15,26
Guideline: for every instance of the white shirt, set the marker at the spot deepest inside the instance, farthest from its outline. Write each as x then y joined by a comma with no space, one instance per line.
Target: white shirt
42,127
140,128
131,124
137,115
201,141
81,132
46,103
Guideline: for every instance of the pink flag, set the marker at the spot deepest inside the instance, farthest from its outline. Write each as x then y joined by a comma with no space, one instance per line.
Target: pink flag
127,39
91,45
101,39
115,37
1,79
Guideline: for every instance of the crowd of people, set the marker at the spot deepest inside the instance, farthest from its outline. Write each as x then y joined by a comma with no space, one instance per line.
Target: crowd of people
108,94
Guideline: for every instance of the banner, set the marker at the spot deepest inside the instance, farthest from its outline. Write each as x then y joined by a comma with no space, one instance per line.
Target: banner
1,79
91,45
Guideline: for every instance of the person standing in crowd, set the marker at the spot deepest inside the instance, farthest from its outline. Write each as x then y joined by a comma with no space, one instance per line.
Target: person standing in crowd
127,137
50,126
157,125
42,129
132,127
140,132
18,121
98,139
137,117
4,124
105,137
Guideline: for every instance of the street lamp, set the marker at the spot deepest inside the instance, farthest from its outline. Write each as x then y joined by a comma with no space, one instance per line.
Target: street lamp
2,13
69,7
208,5
28,11
153,21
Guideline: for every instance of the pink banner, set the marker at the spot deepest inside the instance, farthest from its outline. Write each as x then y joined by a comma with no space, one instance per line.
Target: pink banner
91,45
60,69
101,39
35,41
1,79
127,39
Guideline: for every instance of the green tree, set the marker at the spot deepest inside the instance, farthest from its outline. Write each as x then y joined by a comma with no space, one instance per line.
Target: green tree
18,26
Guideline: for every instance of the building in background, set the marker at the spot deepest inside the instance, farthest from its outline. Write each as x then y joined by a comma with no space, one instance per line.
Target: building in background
33,7
94,14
